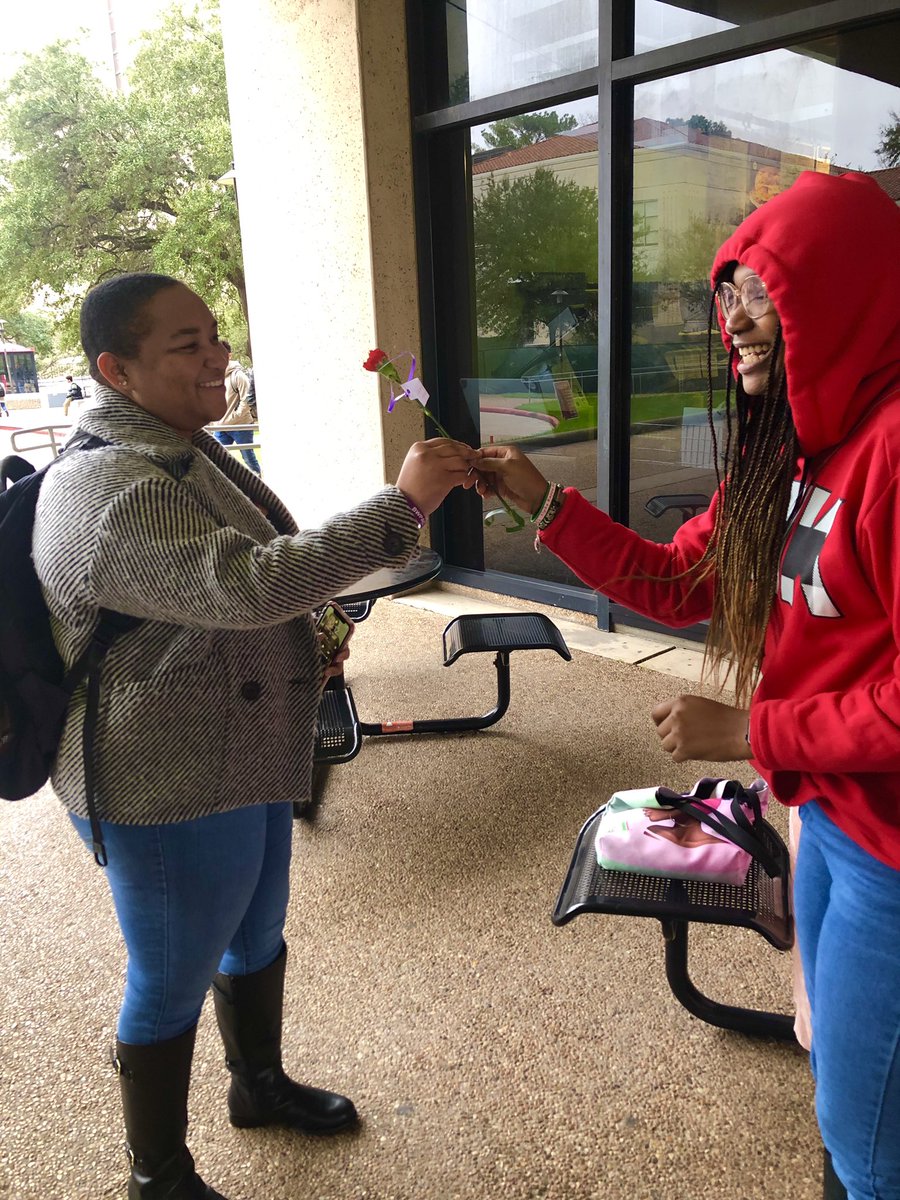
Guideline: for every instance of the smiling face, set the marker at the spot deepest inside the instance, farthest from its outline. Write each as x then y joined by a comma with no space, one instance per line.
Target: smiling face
753,338
178,373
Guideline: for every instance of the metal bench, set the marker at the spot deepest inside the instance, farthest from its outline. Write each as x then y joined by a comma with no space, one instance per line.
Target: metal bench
340,732
497,633
761,904
689,503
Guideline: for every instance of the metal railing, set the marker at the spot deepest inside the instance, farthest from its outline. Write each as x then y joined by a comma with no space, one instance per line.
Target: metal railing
254,445
55,436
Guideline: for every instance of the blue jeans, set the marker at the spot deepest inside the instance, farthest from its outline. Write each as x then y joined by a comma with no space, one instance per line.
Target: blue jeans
848,917
240,437
194,898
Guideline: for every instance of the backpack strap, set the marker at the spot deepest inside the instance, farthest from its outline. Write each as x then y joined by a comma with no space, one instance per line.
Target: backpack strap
110,626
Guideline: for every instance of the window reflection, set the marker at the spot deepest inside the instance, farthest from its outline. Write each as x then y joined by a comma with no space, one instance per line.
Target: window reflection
709,147
496,45
657,24
535,254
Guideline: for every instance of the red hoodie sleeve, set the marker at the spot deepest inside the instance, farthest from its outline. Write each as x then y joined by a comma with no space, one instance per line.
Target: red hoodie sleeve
858,729
645,576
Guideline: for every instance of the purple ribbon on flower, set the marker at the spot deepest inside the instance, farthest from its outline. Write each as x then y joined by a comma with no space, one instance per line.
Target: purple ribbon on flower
395,396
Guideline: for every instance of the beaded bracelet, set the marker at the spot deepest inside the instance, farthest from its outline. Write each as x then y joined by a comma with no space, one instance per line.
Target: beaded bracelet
540,508
549,495
548,512
552,507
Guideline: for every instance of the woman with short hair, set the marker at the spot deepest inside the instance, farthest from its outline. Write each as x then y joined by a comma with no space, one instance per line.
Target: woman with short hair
208,707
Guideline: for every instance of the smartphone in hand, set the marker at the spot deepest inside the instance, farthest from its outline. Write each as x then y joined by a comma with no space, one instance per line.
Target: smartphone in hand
333,628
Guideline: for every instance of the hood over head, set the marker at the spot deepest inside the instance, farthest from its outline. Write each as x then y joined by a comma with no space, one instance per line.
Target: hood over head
828,251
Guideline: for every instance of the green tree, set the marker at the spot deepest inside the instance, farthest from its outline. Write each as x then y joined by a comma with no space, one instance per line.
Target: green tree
30,329
704,124
688,257
93,183
889,148
526,129
533,235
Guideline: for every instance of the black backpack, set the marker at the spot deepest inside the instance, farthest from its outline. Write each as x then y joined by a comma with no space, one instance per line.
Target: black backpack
251,395
35,688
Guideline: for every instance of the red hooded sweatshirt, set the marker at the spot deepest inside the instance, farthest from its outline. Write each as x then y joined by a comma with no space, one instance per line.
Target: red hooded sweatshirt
825,718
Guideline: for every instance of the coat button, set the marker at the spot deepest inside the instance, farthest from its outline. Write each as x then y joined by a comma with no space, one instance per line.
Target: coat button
251,690
392,543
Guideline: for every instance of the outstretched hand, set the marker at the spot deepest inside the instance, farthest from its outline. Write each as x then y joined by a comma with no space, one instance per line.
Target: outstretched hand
432,469
505,471
695,727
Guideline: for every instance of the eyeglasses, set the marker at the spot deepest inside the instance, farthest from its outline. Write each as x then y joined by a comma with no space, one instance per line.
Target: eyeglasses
752,295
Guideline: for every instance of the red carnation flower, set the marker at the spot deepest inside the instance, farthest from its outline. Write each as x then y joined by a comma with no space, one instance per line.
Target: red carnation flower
379,362
375,360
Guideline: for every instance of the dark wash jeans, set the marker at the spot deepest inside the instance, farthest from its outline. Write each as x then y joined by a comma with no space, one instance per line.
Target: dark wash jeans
193,898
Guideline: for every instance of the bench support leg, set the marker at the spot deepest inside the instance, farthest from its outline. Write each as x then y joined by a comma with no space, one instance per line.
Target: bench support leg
725,1016
451,724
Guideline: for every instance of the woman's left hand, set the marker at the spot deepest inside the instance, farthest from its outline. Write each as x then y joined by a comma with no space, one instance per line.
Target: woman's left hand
694,727
336,667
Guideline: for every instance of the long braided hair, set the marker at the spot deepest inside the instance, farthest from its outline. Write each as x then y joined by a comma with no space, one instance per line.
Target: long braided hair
758,464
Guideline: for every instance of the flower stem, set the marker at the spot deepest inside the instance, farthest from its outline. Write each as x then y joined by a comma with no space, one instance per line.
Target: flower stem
518,521
517,518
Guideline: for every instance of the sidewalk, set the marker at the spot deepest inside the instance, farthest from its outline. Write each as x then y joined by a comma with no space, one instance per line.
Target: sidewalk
490,1053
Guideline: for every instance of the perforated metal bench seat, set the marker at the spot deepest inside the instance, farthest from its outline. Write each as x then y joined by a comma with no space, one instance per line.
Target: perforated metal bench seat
497,633
503,633
338,737
762,904
339,732
358,610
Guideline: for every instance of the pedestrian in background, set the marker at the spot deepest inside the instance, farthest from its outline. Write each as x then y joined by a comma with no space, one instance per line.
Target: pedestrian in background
238,412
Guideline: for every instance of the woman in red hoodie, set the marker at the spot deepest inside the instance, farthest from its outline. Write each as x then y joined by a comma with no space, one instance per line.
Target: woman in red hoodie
796,565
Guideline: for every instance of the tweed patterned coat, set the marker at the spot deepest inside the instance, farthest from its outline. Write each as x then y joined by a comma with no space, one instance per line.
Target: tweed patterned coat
210,704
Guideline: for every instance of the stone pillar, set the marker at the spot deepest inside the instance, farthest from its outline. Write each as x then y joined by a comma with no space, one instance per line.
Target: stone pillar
319,114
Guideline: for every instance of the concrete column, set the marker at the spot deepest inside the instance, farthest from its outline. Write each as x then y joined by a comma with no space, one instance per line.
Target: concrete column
319,114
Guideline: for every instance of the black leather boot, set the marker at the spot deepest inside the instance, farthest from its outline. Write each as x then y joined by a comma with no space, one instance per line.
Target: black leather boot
833,1188
154,1082
249,1009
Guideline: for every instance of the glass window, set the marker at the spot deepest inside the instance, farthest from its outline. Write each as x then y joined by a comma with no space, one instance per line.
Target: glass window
657,24
534,222
493,46
18,370
710,147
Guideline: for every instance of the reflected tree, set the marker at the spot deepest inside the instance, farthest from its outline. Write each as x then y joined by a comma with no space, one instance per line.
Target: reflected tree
888,150
526,129
532,235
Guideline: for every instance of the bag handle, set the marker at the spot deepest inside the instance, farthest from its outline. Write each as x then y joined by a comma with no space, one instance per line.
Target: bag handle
737,829
706,788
